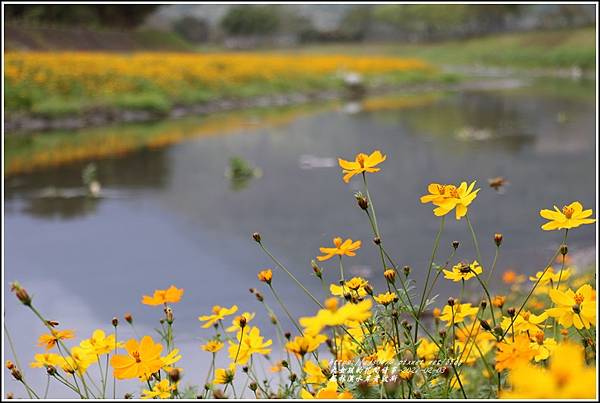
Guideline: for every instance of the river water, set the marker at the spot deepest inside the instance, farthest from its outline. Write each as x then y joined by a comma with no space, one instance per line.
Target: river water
168,214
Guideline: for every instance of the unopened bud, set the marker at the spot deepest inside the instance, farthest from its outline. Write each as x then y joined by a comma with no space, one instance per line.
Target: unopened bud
293,377
485,325
362,201
252,290
169,315
128,396
498,239
347,296
285,364
21,293
316,269
273,319
245,369
174,375
115,322
51,370
498,330
256,237
406,270
287,335
9,365
390,275
259,296
16,374
368,289
52,323
253,386
483,304
242,321
377,240
218,393
442,333
564,249
128,318
455,244
10,395
511,311
451,301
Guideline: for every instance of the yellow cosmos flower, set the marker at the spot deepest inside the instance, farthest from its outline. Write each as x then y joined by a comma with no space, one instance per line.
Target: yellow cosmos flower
362,163
472,342
457,313
566,378
571,216
510,354
169,359
328,392
235,323
224,376
550,276
542,346
169,296
524,322
161,390
305,344
314,372
79,360
341,248
463,271
499,301
427,350
386,352
251,343
326,317
265,276
574,308
386,298
49,340
99,343
219,313
356,285
212,346
46,360
450,197
142,359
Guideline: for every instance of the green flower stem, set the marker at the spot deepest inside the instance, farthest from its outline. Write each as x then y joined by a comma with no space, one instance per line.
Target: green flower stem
433,252
438,273
285,310
281,266
114,378
493,265
474,239
14,353
488,295
532,290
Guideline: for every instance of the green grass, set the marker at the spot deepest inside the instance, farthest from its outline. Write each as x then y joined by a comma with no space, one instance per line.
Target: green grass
543,49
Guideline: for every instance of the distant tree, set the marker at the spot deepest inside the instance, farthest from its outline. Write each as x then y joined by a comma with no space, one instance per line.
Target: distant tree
193,29
111,15
251,20
356,22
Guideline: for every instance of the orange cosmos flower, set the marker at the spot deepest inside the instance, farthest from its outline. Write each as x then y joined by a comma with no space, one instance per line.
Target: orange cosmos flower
49,340
362,163
171,295
341,248
142,359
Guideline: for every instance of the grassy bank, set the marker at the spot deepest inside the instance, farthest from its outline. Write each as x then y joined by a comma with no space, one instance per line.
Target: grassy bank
69,83
545,49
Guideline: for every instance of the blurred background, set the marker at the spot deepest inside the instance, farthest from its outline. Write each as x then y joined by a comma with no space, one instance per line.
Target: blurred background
144,144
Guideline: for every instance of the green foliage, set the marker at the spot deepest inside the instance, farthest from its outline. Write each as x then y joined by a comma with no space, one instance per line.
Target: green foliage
251,20
151,101
192,29
161,40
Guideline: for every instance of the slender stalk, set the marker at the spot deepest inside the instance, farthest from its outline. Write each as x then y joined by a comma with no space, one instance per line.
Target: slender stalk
14,353
474,239
286,310
433,252
281,266
493,265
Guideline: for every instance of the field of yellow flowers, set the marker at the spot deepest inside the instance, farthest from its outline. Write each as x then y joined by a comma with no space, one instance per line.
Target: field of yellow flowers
54,83
534,337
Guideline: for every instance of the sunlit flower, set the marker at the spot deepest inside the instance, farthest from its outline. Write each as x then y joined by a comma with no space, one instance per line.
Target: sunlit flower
453,197
169,359
386,298
314,373
212,346
472,342
362,163
328,392
498,301
524,322
463,271
542,345
566,378
49,340
427,350
161,390
305,344
265,276
219,313
45,360
355,286
511,354
327,317
341,248
571,216
251,343
224,376
235,323
385,352
457,313
437,193
574,308
99,343
160,297
549,276
142,359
